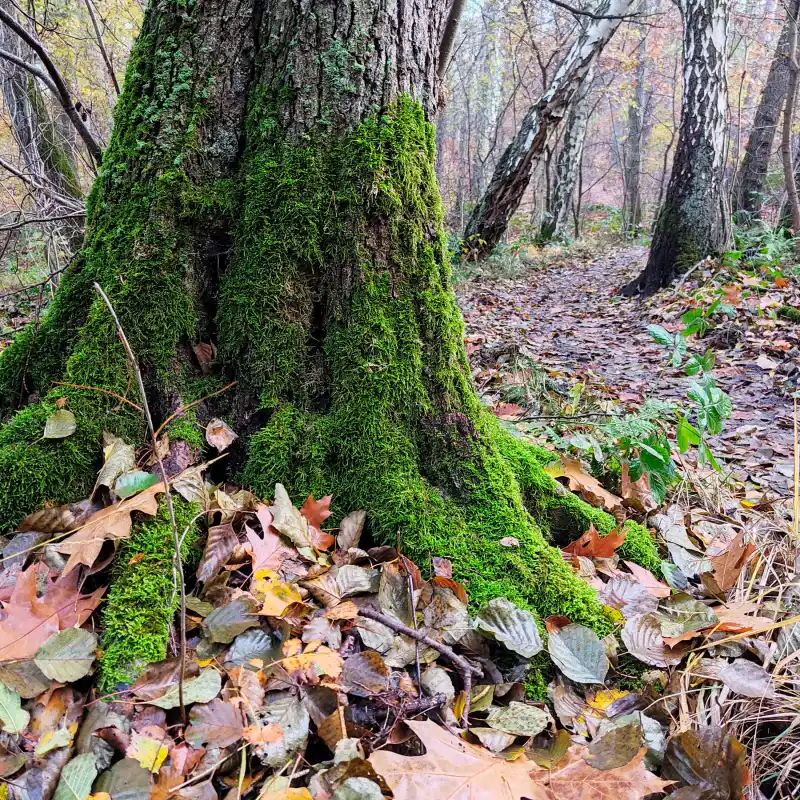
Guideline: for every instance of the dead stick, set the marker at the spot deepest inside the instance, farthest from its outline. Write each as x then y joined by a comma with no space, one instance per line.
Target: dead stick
175,536
104,391
465,668
182,409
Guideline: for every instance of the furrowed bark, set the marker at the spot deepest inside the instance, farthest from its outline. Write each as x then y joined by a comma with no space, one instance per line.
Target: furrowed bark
748,192
491,216
792,199
692,222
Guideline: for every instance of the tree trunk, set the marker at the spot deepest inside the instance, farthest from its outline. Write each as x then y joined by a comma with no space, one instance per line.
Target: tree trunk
749,189
632,166
492,215
569,160
792,200
270,189
691,224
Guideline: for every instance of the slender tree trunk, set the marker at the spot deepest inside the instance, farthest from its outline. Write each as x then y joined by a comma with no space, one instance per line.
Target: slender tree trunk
632,166
792,199
492,215
691,225
569,161
749,188
270,189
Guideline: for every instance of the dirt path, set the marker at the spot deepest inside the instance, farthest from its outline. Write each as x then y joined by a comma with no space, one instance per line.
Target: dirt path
567,317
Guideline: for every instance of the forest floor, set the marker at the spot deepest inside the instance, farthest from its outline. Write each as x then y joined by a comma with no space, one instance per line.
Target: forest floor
567,318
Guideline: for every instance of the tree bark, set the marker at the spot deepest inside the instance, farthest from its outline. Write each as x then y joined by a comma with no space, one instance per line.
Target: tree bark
269,189
792,199
632,166
691,223
492,215
568,164
749,188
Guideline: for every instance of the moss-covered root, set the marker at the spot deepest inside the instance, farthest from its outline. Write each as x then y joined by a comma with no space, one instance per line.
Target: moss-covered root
481,525
563,515
141,604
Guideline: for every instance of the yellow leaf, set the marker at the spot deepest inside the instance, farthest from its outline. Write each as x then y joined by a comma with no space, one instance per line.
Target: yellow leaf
601,700
149,752
288,794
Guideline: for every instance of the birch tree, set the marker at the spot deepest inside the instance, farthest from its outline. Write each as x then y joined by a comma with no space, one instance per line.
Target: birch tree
692,222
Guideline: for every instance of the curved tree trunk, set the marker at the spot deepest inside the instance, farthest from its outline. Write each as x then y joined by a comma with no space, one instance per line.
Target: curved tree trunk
569,161
270,189
749,188
691,223
491,216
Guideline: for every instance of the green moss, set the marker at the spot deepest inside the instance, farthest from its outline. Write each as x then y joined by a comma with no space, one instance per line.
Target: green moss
142,601
789,312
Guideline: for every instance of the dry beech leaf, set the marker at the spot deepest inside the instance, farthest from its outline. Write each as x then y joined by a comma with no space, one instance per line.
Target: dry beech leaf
516,628
727,566
644,640
747,679
636,494
648,580
220,435
625,593
579,654
581,481
220,544
351,529
592,545
217,724
614,749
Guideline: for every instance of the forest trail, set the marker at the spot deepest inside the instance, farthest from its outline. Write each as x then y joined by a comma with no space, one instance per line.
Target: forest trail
567,318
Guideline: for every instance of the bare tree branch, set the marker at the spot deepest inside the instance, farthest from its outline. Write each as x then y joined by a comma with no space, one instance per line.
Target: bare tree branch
39,73
36,220
580,13
101,44
62,200
61,90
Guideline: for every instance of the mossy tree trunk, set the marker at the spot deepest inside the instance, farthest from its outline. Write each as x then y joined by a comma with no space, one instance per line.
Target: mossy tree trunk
270,189
693,223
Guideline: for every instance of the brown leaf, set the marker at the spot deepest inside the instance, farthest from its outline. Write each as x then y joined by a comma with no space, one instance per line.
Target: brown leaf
576,780
636,494
648,580
269,551
556,622
442,567
220,544
351,529
220,435
614,749
218,724
448,583
114,523
205,354
581,481
365,674
643,638
454,769
592,545
709,759
158,677
317,511
728,565
60,518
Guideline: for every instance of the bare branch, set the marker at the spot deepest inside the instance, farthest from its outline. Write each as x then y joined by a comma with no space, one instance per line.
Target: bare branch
62,200
591,15
36,220
39,73
61,90
101,44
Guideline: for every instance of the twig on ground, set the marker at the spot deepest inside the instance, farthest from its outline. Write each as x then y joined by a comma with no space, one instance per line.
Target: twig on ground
564,417
465,668
173,523
103,391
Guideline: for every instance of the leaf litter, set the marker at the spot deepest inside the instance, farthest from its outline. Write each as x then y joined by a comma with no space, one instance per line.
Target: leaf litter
303,678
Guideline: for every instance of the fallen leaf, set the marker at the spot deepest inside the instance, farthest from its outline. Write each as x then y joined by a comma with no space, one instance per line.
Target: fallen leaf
577,651
202,689
220,544
644,640
574,779
220,435
625,593
520,719
681,613
158,677
114,523
747,679
636,494
130,483
67,655
350,530
648,580
288,520
452,768
514,627
14,718
76,778
548,757
59,425
581,481
728,565
314,663
592,545
709,759
267,551
226,622
149,748
364,674
614,749
118,458
275,595
217,724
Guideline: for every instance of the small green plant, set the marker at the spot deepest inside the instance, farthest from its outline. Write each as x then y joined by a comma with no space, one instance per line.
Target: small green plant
710,406
701,320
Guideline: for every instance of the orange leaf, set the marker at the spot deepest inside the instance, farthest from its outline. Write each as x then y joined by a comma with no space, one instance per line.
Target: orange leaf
591,544
648,580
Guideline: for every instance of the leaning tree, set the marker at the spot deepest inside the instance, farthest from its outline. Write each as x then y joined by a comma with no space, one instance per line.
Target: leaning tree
693,221
267,212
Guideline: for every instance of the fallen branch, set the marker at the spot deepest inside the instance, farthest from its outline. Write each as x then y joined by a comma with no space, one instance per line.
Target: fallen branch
465,668
103,391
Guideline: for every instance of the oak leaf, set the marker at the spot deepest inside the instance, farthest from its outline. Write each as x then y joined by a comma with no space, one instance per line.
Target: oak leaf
592,545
